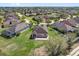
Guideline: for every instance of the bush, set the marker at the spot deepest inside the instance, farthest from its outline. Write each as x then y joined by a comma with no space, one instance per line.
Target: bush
56,49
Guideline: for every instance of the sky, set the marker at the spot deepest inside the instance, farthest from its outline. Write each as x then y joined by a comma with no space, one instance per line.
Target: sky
39,4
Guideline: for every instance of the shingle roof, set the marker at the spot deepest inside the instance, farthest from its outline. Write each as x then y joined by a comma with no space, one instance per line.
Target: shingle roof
39,32
76,19
39,29
62,26
19,27
72,22
11,18
59,25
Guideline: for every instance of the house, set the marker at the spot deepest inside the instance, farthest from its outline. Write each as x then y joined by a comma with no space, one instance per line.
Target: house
40,33
70,22
10,20
63,27
76,19
15,30
46,19
71,12
38,19
73,22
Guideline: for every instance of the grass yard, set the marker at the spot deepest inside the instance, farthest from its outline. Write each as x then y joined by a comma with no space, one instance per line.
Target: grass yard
22,45
55,38
55,35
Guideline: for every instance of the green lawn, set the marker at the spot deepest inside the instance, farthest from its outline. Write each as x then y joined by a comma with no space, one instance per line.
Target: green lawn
55,35
22,45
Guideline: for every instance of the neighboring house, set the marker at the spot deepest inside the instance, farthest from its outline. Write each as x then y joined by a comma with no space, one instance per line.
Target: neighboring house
55,15
16,29
73,23
34,14
31,14
10,21
46,19
71,12
28,14
38,18
70,22
63,27
76,19
40,33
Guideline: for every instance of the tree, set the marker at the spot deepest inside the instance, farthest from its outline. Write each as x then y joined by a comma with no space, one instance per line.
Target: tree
56,48
2,25
1,20
37,19
22,18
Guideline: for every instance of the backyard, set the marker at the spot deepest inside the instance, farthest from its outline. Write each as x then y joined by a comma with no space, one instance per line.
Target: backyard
23,45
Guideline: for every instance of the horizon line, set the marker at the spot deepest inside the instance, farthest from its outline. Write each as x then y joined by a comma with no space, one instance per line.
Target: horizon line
39,4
